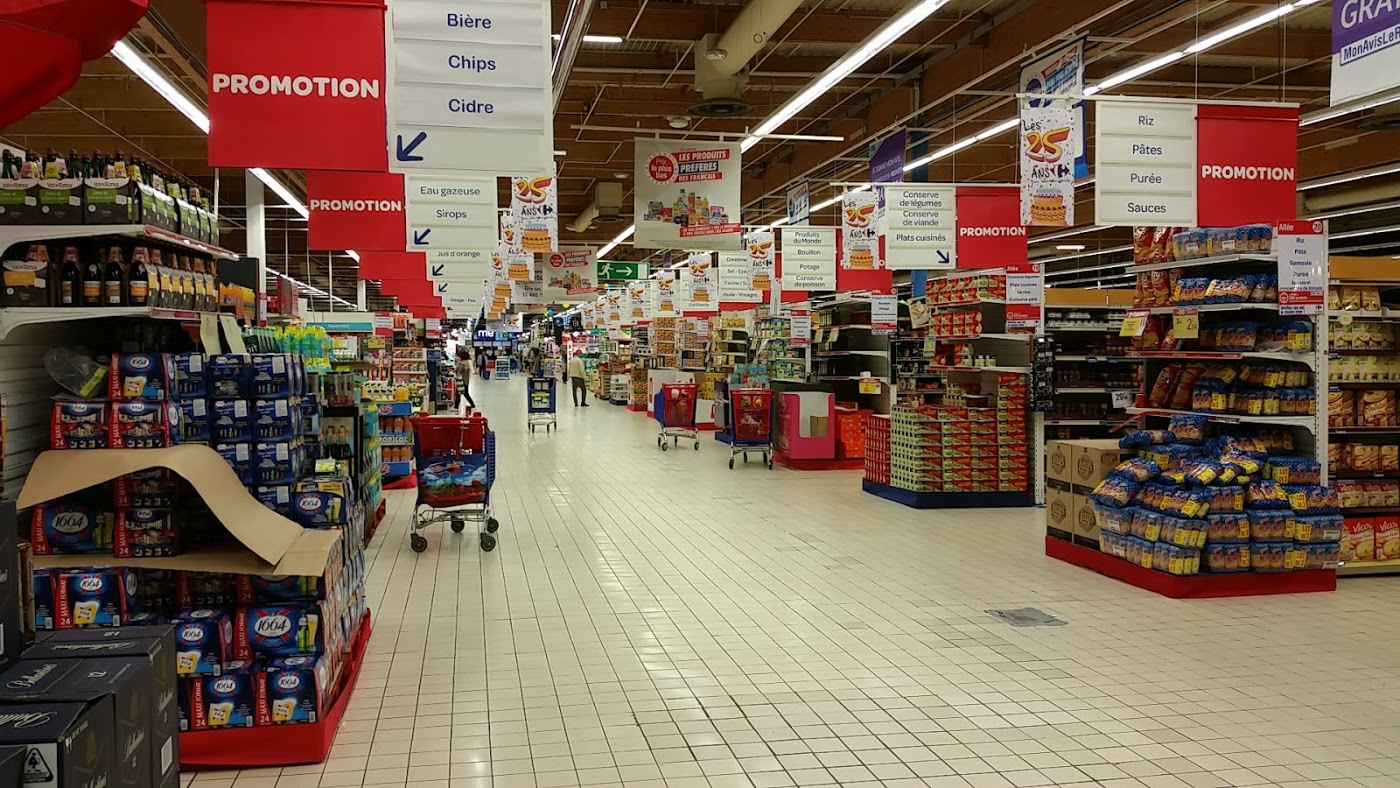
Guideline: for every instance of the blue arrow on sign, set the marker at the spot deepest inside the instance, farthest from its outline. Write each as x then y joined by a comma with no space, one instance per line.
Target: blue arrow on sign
405,153
420,237
438,269
943,257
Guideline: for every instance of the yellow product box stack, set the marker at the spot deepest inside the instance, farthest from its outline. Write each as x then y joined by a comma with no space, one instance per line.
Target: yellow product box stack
915,450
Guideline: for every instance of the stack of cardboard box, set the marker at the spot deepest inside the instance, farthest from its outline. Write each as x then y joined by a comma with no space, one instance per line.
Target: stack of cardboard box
1073,468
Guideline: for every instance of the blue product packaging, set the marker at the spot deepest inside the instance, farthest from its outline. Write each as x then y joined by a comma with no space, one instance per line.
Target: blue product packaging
143,425
194,421
146,533
314,509
188,371
203,642
71,528
293,690
277,497
273,589
227,375
137,376
225,701
279,631
78,424
94,597
239,456
230,421
277,463
44,580
276,419
271,375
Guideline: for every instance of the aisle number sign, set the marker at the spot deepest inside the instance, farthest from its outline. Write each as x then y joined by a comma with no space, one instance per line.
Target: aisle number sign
1302,265
471,86
1186,323
1134,323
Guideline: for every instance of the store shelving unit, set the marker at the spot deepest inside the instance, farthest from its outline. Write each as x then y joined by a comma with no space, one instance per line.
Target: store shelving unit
21,234
1090,362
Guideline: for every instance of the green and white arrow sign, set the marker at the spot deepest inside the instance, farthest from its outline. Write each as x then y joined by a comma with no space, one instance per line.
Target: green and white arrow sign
633,271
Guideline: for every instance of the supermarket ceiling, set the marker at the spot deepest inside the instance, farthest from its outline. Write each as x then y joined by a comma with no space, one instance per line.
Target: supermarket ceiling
950,78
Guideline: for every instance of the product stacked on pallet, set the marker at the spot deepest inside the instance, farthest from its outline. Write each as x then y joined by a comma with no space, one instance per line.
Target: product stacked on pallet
694,343
878,458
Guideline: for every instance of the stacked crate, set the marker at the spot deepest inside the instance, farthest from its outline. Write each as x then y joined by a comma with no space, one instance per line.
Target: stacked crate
916,449
1012,438
877,449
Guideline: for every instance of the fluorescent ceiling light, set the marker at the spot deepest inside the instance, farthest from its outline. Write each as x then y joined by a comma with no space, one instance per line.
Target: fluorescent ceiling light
1040,239
1071,247
1348,108
128,56
886,35
1135,72
1202,44
353,255
589,38
1337,180
613,244
280,190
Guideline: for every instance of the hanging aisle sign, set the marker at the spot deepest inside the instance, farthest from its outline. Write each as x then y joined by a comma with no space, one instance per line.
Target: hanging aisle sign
809,258
860,238
990,234
686,195
799,204
450,213
460,272
762,247
471,86
1365,55
922,227
363,211
534,211
700,285
1047,166
665,300
569,273
295,101
1025,294
639,300
1302,265
1145,169
1061,72
1248,164
736,279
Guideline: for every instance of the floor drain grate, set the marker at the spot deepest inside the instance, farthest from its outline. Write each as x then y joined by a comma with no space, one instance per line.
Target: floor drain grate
1027,617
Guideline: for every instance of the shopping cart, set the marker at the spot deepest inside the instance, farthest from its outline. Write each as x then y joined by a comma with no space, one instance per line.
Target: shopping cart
539,404
456,458
750,424
674,408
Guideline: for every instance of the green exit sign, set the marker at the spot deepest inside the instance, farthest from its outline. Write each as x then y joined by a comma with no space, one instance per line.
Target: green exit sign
609,270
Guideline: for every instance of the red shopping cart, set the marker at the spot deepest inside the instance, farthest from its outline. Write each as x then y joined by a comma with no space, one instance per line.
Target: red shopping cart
456,458
750,424
674,409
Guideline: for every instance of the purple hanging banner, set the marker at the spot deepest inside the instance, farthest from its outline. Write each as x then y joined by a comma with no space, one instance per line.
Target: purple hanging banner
887,158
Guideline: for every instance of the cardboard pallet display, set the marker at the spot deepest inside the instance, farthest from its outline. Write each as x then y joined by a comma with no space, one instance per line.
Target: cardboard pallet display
274,545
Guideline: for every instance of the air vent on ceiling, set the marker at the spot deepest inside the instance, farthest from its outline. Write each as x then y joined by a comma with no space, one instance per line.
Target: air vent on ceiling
720,107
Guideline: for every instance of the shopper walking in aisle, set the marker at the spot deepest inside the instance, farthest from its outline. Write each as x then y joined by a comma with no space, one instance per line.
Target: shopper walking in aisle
464,375
577,376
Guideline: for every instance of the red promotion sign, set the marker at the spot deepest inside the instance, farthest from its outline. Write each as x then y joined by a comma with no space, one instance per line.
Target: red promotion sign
1248,164
355,210
279,97
394,265
990,234
410,291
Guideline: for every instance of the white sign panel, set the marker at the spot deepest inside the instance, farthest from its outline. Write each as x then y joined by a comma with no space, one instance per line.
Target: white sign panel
471,86
686,195
1302,266
736,278
700,281
639,300
527,292
1365,48
460,272
569,273
1146,163
450,213
922,229
809,258
665,295
860,233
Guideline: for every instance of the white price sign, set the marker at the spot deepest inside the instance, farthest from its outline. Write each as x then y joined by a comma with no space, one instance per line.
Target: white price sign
1025,293
801,329
1302,267
884,313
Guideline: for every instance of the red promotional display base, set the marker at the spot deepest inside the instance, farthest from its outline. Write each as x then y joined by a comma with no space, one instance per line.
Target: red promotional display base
277,745
855,464
637,408
1195,586
408,482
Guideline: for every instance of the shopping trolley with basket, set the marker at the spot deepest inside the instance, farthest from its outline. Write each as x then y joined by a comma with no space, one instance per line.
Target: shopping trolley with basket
456,458
540,404
750,424
674,408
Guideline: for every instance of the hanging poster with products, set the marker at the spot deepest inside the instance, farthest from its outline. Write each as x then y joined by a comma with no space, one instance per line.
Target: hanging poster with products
1025,295
666,298
1047,165
589,316
639,300
922,226
1061,73
295,101
569,273
762,250
534,212
616,304
736,279
699,283
809,259
1302,267
884,313
687,195
1365,55
860,237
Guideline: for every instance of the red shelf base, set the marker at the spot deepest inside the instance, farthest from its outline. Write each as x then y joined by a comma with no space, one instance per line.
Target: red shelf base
374,520
408,482
846,464
1195,586
277,745
637,408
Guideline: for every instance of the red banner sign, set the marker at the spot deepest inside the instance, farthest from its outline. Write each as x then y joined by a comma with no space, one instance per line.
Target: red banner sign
410,291
394,265
1247,164
990,234
355,210
296,85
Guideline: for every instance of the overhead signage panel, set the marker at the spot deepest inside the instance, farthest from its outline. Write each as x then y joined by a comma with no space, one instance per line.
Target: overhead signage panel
809,258
922,226
452,214
1145,172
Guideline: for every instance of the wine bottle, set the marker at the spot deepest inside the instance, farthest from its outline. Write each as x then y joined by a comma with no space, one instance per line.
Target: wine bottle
70,278
114,279
92,281
138,287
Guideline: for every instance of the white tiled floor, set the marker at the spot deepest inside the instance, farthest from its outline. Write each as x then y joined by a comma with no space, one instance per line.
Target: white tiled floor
655,620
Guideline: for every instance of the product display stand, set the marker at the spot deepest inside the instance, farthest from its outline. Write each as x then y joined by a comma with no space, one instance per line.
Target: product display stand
396,443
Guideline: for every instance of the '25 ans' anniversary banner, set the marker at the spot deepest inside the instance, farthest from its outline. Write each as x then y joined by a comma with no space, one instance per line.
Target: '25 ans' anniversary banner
687,196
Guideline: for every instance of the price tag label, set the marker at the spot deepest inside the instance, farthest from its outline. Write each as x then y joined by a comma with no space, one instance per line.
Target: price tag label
1134,323
1186,323
1121,399
325,466
870,385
